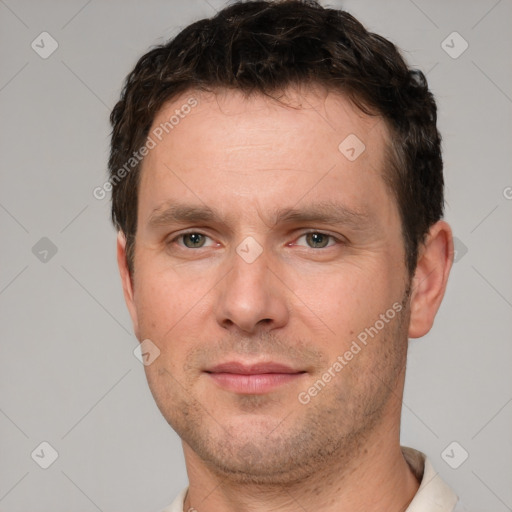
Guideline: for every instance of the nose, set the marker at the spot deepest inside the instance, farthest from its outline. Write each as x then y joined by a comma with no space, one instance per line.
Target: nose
251,297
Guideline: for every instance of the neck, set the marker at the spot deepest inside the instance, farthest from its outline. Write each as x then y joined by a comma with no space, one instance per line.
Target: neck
377,477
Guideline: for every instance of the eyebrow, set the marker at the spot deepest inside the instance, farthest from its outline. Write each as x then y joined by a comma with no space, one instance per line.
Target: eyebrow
327,212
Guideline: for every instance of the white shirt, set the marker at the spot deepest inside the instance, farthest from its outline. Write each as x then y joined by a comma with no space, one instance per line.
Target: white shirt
433,495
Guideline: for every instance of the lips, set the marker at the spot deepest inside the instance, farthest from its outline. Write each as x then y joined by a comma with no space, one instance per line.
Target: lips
251,369
259,378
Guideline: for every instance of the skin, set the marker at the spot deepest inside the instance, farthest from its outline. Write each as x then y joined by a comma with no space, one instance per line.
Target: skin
302,302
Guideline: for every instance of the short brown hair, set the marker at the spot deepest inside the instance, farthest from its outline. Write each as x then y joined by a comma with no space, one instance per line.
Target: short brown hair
264,47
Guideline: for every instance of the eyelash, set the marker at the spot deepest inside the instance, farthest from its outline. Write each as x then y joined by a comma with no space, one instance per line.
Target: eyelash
323,233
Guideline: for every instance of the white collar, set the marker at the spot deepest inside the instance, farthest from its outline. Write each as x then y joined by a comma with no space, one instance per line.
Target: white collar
433,495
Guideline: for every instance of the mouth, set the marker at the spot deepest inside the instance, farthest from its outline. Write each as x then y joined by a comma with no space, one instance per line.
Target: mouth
253,379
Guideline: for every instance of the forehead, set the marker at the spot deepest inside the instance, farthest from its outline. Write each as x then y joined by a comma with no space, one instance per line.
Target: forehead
223,145
304,114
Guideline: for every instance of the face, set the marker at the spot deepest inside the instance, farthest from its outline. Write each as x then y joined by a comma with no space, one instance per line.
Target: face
270,274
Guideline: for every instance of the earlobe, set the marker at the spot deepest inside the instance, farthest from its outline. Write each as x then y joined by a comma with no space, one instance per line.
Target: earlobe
430,279
126,280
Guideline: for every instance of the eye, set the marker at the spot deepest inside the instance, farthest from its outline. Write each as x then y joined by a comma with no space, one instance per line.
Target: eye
318,239
191,240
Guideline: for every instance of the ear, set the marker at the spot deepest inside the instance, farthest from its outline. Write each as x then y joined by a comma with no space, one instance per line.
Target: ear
435,260
126,280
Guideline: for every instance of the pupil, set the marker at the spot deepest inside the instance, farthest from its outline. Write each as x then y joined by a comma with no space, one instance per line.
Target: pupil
317,238
195,238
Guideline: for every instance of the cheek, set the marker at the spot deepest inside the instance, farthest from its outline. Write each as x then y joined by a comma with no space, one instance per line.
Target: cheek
159,304
171,310
346,300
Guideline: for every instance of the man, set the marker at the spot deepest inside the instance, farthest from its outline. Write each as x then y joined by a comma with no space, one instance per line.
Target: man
278,193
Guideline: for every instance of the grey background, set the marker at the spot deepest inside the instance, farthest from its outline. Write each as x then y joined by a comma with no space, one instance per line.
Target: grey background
68,375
